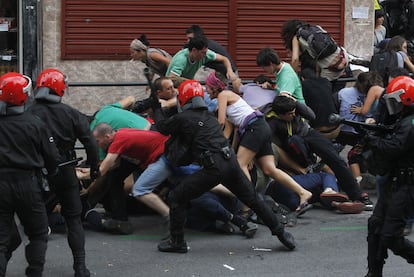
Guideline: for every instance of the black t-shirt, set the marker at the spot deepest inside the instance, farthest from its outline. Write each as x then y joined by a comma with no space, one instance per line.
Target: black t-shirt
219,49
318,96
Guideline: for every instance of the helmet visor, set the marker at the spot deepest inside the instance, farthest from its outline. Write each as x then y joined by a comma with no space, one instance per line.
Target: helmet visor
28,88
393,101
66,84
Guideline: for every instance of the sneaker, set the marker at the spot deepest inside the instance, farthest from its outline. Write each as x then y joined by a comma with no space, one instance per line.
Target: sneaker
249,230
349,207
287,240
174,247
225,227
369,205
117,226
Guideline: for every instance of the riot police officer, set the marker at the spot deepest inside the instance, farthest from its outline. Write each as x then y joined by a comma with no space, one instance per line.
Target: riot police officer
196,136
26,147
67,125
394,155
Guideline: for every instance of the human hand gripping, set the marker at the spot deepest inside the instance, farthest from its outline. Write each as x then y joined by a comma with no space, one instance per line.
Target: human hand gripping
355,109
231,76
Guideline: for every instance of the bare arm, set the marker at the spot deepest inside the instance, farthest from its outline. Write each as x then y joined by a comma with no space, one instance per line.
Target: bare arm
127,102
373,94
409,64
110,161
295,54
222,100
160,58
237,83
168,103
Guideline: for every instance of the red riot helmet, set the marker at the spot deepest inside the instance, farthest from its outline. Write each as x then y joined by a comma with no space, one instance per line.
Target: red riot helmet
14,88
400,92
53,79
189,89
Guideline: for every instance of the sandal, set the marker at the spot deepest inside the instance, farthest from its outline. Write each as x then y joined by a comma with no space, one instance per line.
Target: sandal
303,208
327,198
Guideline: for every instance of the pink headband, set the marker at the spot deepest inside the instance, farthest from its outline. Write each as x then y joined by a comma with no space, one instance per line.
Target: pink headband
213,82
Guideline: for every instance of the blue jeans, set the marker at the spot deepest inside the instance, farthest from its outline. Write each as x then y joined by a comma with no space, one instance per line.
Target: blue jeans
151,177
313,182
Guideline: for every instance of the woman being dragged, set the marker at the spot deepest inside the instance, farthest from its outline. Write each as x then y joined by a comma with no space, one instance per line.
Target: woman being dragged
253,138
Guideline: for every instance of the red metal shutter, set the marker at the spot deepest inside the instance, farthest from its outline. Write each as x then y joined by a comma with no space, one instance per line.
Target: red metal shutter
103,29
259,22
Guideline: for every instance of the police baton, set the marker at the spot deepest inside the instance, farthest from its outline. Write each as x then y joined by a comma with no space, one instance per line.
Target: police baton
75,161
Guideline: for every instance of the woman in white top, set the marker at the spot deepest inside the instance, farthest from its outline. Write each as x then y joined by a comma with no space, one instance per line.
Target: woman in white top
254,137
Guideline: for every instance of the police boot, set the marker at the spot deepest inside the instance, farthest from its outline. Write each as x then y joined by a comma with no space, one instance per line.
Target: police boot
79,266
81,271
286,239
374,268
371,274
175,244
404,248
376,255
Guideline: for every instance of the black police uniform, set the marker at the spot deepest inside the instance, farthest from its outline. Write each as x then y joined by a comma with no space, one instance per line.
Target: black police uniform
394,154
26,146
67,125
200,133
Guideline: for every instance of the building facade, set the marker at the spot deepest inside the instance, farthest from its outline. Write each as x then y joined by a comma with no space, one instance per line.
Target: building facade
89,40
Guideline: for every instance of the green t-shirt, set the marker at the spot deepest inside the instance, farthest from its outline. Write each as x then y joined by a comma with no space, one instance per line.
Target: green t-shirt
180,64
117,117
288,81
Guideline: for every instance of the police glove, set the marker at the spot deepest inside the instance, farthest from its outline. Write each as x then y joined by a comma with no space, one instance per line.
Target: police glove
155,103
95,173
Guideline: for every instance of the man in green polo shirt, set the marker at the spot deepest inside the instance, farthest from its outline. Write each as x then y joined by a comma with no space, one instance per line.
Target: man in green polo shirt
287,80
186,62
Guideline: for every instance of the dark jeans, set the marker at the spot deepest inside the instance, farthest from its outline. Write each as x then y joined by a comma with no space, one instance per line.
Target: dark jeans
208,208
228,173
66,186
20,193
313,182
110,190
324,148
386,225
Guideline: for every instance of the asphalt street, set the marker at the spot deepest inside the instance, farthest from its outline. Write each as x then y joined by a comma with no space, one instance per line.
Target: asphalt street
329,244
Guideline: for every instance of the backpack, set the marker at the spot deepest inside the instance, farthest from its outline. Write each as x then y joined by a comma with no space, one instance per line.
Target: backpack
320,43
382,62
300,151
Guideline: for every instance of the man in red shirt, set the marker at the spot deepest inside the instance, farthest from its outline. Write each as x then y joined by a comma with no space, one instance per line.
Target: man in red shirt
143,148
